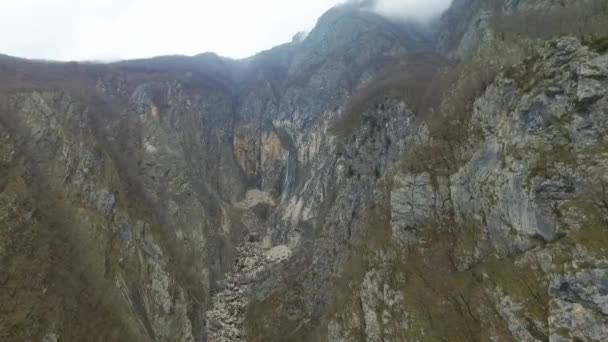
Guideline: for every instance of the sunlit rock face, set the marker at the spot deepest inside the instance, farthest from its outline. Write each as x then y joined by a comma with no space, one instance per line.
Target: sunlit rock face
193,199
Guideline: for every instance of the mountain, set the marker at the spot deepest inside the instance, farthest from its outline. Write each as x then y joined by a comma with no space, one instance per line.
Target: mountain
369,181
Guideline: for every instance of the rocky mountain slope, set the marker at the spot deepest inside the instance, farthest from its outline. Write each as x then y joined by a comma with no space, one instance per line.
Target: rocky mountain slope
373,181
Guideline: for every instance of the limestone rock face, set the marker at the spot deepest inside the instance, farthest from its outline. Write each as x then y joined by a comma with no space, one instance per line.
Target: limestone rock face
518,202
207,199
123,187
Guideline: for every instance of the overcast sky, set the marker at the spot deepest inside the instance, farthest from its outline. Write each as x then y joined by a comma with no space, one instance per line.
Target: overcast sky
121,29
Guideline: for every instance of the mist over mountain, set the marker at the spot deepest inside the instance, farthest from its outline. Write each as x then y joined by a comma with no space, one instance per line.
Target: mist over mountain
237,29
373,179
421,11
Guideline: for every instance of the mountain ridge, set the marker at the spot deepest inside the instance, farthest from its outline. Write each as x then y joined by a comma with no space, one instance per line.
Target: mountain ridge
347,187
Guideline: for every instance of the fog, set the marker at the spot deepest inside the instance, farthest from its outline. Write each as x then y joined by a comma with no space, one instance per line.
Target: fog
420,10
120,29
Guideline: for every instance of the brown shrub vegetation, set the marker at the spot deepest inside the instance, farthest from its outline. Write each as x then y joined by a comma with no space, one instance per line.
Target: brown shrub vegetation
80,79
442,91
438,90
408,79
584,19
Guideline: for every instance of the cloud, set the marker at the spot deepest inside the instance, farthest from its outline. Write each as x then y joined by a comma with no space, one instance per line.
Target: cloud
121,29
419,10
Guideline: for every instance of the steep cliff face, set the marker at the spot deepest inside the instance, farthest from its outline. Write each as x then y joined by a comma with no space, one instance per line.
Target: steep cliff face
200,198
502,235
126,188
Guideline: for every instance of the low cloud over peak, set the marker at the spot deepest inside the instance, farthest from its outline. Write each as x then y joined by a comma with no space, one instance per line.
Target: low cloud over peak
418,10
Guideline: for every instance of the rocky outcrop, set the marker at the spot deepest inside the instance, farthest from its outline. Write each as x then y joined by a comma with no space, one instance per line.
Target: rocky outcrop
512,209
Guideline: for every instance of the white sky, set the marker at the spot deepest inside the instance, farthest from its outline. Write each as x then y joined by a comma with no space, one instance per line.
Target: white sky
120,29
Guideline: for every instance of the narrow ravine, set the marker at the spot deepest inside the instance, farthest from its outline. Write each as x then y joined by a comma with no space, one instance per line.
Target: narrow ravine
225,319
226,316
